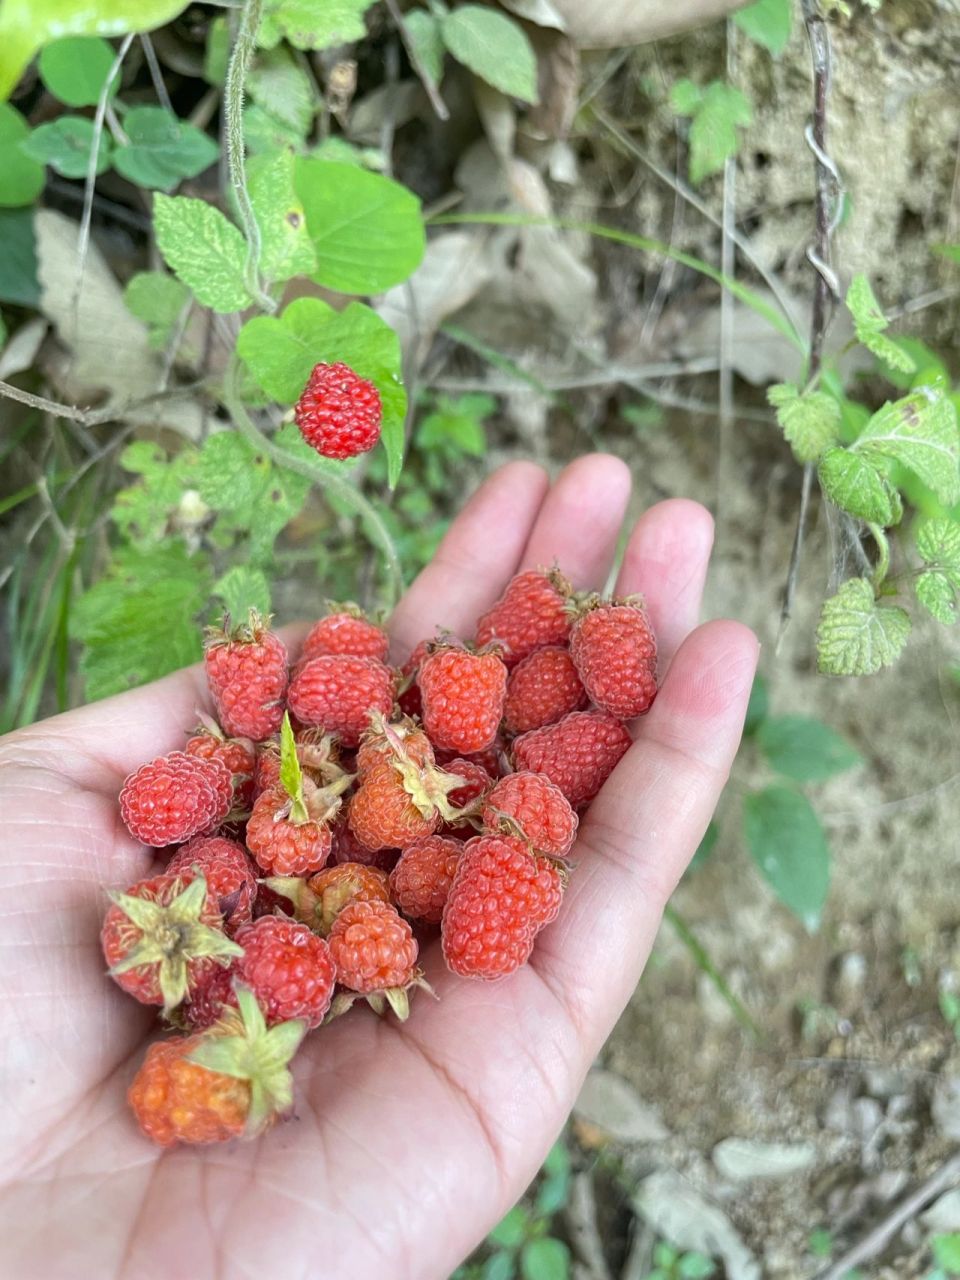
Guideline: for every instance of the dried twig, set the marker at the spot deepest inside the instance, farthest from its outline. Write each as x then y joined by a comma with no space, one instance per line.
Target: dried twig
426,79
156,75
91,417
728,265
581,1216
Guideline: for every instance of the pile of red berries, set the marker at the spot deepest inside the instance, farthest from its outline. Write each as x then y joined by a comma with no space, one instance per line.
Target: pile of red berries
339,812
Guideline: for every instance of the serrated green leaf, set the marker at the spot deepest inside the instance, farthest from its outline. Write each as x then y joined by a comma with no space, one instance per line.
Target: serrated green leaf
282,88
65,145
162,149
787,843
545,1259
929,369
810,423
216,54
938,542
768,22
456,426
493,47
857,487
243,588
206,251
21,177
231,476
367,230
722,109
426,37
286,248
75,69
317,24
511,1230
937,593
158,300
805,749
685,97
281,499
146,512
855,635
264,135
139,621
920,432
870,322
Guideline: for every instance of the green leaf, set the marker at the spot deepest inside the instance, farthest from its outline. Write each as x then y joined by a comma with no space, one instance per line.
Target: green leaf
929,369
494,47
206,251
855,485
162,149
696,1266
158,300
499,1266
920,432
3,332
263,133
282,88
456,426
139,621
810,422
427,39
511,1230
65,145
706,846
768,22
946,1250
787,843
870,322
21,177
938,542
146,512
938,595
286,248
758,708
281,499
230,475
685,97
804,749
319,24
367,230
713,129
554,1189
243,588
855,635
545,1259
216,55
28,25
75,69
281,353
18,261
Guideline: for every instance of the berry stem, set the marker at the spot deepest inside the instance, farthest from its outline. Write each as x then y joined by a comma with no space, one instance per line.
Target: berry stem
237,68
321,476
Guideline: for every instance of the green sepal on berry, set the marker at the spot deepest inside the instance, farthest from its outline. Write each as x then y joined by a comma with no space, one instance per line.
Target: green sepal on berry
172,936
241,1046
428,786
323,803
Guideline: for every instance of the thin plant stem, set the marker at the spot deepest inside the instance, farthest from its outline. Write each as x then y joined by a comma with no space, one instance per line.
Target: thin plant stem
706,966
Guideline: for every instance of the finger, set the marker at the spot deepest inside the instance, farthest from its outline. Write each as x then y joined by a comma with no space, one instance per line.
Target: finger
644,827
579,523
474,561
666,561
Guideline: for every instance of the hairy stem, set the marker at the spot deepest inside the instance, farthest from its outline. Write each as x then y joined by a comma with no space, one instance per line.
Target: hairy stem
882,567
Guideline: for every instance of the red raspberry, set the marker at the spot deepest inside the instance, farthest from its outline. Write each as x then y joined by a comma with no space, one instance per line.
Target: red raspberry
346,631
542,689
339,692
339,413
463,696
578,753
228,872
384,815
373,948
493,759
615,652
501,896
334,888
237,755
162,938
175,797
289,837
400,740
286,966
409,695
247,673
477,782
529,805
422,878
348,849
531,613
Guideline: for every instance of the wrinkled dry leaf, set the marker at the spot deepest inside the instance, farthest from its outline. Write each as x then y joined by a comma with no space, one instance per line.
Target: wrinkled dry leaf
604,24
558,66
742,1158
543,12
681,1215
21,351
612,1105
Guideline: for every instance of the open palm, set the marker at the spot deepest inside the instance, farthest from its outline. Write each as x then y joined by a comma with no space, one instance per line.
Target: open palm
409,1141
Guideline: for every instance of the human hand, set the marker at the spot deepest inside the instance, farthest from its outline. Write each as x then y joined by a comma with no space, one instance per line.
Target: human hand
409,1140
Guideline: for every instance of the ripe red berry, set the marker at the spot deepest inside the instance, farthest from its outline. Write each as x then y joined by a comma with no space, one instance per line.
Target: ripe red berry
501,896
615,652
402,794
348,849
247,673
408,696
346,631
529,805
175,797
339,413
542,689
531,613
163,937
578,753
288,837
229,874
237,755
284,963
339,692
373,948
422,878
463,696
477,782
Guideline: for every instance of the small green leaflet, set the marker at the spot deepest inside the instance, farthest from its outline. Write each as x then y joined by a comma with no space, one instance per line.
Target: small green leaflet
499,1266
144,512
286,249
768,22
920,432
946,1251
456,424
554,1189
158,300
857,487
804,749
870,322
217,53
367,230
206,251
511,1230
21,177
855,635
75,69
938,542
494,47
717,111
787,843
423,30
810,423
262,132
545,1259
315,24
243,588
230,476
65,145
279,85
291,775
162,149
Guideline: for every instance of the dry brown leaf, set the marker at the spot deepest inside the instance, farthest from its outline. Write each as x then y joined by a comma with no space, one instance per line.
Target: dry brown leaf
604,24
